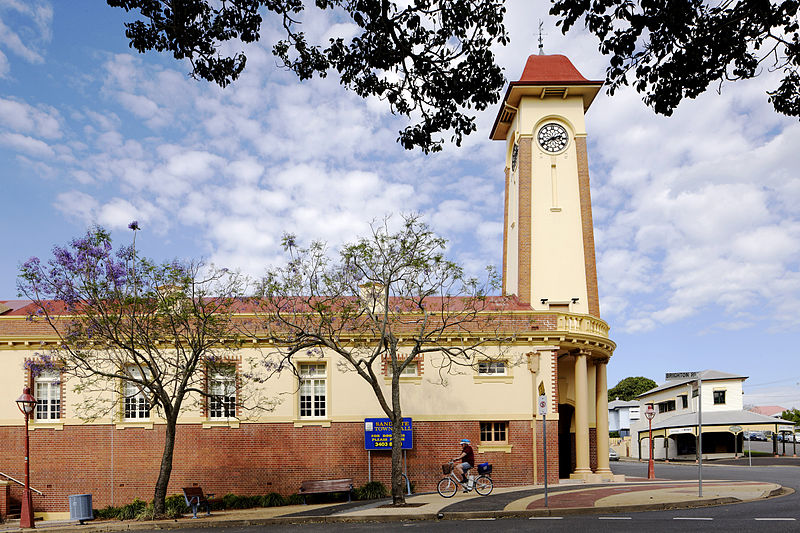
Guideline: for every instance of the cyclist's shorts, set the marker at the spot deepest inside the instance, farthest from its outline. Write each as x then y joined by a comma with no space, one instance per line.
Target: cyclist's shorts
465,466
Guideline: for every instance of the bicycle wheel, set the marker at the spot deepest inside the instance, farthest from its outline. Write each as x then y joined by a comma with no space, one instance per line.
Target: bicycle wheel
447,487
483,485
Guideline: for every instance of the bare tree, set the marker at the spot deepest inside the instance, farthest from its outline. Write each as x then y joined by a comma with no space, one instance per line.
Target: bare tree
388,299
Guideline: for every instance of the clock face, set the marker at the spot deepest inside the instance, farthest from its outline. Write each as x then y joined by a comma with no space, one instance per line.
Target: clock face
553,137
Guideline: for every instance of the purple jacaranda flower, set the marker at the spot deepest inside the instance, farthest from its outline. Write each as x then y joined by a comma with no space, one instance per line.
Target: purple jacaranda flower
134,225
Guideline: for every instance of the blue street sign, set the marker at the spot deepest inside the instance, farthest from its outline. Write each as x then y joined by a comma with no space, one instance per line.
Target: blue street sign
378,434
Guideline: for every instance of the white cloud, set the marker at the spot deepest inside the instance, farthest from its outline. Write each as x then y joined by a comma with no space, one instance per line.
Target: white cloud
27,145
23,118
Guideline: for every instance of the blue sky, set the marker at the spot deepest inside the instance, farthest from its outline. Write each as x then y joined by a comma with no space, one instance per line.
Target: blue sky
697,216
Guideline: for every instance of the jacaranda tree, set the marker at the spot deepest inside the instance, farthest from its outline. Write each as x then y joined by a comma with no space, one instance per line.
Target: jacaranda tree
126,323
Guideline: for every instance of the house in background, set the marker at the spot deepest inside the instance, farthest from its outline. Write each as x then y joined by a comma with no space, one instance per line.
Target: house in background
774,411
675,425
620,415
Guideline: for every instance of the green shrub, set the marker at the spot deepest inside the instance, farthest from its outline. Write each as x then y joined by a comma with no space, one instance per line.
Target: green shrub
175,506
106,513
273,499
373,490
294,499
131,510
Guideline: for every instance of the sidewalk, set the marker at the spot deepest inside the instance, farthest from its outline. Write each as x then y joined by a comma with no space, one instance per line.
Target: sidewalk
565,498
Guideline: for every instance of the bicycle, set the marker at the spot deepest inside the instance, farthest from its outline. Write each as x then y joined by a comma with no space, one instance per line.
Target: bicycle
448,485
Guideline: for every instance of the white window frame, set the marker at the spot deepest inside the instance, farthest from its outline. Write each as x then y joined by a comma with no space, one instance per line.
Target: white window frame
494,429
313,390
492,368
47,391
136,407
222,399
412,370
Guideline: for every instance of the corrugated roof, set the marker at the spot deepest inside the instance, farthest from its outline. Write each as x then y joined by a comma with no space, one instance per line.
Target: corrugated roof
718,418
622,403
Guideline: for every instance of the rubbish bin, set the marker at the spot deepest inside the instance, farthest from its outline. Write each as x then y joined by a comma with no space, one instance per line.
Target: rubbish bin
80,507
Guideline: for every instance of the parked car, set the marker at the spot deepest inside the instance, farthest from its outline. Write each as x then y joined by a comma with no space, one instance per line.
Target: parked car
758,435
613,455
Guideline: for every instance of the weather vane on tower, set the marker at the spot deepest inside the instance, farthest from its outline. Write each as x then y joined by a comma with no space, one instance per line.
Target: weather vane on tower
541,41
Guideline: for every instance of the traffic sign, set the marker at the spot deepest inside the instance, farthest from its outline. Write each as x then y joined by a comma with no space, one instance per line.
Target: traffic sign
543,404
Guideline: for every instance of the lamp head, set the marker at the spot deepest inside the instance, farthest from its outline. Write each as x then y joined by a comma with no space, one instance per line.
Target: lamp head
650,413
26,402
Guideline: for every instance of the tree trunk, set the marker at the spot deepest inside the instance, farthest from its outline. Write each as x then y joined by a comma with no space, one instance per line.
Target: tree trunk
159,507
398,491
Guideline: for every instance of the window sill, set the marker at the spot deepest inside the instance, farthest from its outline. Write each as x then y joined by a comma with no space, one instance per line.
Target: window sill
142,425
493,379
58,426
221,424
415,380
505,448
325,423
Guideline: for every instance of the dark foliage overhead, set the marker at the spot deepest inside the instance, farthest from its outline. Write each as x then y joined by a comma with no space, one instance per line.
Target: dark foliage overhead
675,49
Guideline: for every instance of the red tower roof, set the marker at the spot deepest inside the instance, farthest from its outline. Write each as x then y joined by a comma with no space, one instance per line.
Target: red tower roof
555,69
543,76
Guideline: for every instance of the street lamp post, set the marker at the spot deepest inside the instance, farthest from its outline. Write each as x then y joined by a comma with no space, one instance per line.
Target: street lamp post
26,403
650,413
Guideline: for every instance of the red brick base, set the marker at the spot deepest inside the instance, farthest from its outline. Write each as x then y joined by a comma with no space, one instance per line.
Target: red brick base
552,452
116,466
3,500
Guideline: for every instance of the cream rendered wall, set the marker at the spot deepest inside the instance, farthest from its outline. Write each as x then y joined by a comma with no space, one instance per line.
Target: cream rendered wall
465,396
11,383
558,261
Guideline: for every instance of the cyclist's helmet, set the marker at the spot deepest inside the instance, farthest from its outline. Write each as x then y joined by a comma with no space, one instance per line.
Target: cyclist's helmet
464,441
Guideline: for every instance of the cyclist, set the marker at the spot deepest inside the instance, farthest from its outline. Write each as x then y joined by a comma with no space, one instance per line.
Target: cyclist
465,461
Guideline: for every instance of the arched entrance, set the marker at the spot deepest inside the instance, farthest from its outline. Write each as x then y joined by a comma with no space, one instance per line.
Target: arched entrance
566,441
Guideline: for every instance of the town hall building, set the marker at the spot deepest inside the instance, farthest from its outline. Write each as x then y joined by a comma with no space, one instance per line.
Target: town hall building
561,349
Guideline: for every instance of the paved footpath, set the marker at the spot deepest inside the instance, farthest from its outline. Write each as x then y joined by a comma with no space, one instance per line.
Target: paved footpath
563,499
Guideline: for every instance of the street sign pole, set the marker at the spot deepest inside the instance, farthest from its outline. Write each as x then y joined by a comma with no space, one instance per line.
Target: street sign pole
543,412
700,436
696,376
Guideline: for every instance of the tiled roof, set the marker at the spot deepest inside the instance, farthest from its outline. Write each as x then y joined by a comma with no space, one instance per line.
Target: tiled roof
768,410
550,69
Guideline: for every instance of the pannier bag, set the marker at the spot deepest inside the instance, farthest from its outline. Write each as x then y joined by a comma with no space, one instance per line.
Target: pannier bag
484,468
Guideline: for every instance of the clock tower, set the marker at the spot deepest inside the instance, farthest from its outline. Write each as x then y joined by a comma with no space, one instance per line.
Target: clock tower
548,240
548,252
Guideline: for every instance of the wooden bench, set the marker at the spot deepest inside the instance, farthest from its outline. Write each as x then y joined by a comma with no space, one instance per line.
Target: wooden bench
326,485
194,498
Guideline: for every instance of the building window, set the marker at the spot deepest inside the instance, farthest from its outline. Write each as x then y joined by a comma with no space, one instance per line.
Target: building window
684,401
47,390
137,406
664,407
222,402
719,397
492,368
411,370
313,390
494,432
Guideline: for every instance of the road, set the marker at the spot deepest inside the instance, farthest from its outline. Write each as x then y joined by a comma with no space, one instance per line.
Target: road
774,515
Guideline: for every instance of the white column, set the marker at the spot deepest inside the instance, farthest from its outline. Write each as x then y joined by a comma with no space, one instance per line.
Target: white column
601,401
582,467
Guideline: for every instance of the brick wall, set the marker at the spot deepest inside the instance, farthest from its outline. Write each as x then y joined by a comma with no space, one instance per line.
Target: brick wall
116,466
552,451
3,500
